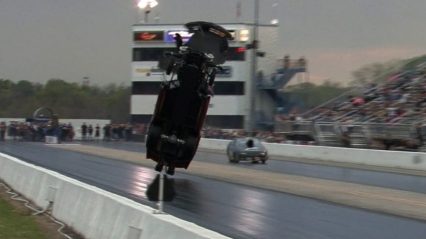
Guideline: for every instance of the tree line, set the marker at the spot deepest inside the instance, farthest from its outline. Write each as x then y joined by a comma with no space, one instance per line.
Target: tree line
81,101
379,72
73,100
68,100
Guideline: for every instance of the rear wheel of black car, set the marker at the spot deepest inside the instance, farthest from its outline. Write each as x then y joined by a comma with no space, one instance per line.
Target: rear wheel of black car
159,167
170,170
190,147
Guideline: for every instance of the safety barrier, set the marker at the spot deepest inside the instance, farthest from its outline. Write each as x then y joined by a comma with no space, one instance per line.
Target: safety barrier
93,212
382,158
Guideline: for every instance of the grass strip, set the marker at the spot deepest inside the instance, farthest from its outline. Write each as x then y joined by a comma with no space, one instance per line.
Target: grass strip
17,224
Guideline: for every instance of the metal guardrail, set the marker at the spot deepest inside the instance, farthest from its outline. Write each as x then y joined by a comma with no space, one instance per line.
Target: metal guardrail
332,133
395,131
327,133
291,63
295,127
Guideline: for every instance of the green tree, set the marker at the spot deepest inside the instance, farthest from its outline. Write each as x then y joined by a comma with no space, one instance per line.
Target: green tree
313,95
68,100
375,73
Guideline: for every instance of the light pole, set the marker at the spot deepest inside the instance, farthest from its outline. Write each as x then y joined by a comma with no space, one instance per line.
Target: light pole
252,123
146,6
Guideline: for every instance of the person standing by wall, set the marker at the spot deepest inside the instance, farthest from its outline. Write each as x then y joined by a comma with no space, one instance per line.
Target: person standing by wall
178,40
90,131
71,132
83,131
128,132
286,64
107,132
2,131
97,131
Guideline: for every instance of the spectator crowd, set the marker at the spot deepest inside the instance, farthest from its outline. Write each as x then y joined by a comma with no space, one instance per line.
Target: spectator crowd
400,99
393,112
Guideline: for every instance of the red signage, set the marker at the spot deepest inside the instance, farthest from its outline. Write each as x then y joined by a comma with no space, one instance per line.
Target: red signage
148,36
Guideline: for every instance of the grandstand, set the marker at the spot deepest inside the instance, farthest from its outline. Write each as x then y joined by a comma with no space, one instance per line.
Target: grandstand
389,115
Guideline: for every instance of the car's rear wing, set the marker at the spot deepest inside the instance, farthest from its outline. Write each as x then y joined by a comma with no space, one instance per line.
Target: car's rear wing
209,38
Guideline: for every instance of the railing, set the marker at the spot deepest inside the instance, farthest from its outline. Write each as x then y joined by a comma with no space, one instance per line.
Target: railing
360,134
295,127
335,100
285,70
327,133
389,131
291,63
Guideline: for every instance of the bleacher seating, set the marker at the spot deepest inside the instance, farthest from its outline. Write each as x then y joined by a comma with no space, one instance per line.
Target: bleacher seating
390,112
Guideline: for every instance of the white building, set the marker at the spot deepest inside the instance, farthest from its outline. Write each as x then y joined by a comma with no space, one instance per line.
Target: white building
230,107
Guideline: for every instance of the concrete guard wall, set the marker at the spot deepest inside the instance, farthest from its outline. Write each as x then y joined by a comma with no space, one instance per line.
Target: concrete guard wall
383,158
93,212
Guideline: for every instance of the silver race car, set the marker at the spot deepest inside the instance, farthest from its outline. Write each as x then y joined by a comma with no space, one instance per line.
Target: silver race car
246,149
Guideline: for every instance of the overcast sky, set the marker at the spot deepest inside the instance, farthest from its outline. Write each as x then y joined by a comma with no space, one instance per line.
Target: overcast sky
72,39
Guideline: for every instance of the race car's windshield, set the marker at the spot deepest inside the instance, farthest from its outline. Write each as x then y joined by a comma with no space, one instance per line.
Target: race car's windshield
243,142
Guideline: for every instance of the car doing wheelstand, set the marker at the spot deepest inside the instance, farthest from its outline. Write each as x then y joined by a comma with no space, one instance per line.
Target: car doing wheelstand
181,107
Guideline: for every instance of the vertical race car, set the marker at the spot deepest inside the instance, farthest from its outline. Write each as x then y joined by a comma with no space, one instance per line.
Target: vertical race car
181,107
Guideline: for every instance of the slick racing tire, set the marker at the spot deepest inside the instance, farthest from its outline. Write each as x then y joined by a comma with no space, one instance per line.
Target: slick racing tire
190,145
154,135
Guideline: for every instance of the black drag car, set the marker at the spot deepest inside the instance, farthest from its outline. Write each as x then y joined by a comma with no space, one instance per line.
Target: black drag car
181,107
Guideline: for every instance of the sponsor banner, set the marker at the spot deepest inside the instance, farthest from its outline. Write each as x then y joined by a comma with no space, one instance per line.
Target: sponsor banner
156,71
139,71
225,72
171,34
144,36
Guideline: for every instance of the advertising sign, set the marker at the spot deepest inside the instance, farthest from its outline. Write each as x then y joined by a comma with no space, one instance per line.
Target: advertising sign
169,37
171,34
146,71
225,72
144,36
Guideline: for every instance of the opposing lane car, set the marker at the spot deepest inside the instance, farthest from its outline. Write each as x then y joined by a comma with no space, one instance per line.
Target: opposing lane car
243,149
